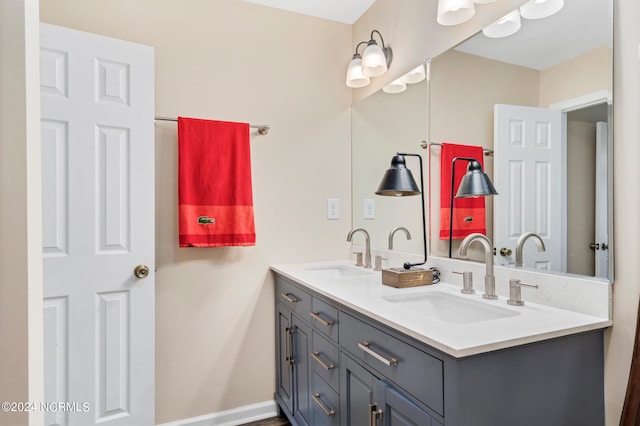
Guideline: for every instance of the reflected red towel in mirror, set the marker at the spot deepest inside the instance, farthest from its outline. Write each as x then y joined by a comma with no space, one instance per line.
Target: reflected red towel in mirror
469,214
214,184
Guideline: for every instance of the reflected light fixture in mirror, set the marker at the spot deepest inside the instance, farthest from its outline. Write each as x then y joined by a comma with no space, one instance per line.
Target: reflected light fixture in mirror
505,26
355,77
475,183
454,12
398,181
399,85
396,86
538,9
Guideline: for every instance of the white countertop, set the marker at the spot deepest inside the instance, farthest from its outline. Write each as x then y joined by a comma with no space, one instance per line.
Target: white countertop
367,295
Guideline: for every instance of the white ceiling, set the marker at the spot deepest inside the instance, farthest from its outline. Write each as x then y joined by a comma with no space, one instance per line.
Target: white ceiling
346,11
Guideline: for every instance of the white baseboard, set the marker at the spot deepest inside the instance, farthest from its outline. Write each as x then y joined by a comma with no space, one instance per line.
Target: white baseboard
234,417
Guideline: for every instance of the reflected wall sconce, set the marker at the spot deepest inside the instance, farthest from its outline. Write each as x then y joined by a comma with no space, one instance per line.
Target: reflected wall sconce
374,62
398,181
398,85
454,12
511,23
505,26
538,9
475,183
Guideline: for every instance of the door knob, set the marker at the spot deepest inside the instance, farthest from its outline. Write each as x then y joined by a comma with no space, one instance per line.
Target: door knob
141,271
505,251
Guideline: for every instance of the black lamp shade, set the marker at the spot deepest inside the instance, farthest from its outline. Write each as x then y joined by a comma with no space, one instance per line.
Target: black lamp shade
398,180
475,183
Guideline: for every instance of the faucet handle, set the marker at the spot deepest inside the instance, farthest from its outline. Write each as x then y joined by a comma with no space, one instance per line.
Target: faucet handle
467,282
379,260
358,258
515,293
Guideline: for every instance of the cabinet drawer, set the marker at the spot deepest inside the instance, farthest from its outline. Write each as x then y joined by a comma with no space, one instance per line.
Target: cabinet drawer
293,298
324,358
417,372
325,402
324,318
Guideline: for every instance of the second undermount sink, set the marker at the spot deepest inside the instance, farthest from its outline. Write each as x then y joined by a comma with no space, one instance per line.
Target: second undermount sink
336,271
450,308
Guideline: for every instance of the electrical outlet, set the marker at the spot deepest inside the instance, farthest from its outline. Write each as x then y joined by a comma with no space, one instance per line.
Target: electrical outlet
333,208
369,208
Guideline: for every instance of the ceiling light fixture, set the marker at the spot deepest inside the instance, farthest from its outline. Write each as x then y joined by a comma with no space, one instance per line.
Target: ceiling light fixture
538,9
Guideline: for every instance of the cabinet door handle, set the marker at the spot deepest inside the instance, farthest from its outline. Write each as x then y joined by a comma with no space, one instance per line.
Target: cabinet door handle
365,347
316,356
374,414
328,412
289,298
316,316
289,354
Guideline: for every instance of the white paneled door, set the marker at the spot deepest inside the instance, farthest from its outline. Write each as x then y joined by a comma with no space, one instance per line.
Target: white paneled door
530,176
98,228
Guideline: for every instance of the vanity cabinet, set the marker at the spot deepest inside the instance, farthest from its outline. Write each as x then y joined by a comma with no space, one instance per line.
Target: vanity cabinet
307,366
336,366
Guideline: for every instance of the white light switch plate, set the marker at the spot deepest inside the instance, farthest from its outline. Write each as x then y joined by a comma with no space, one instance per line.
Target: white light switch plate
333,208
369,208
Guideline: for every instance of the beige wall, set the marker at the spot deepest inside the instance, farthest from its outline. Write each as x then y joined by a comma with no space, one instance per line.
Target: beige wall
237,61
582,75
20,211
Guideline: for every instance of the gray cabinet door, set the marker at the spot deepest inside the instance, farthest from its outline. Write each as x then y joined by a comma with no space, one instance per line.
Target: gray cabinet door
284,348
301,369
356,393
398,410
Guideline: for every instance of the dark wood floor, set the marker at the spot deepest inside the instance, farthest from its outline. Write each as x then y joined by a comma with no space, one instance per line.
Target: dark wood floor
275,421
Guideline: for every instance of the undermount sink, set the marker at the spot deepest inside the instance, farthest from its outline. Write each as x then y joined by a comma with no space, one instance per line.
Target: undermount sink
337,271
450,308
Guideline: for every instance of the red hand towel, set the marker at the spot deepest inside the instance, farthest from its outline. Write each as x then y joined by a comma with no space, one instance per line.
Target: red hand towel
214,184
469,214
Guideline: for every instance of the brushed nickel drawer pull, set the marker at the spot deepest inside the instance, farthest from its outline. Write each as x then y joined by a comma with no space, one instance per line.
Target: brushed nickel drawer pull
365,347
289,298
316,398
316,356
317,316
289,348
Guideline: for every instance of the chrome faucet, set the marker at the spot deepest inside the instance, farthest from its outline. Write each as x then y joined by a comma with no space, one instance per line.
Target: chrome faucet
393,232
367,254
520,244
489,278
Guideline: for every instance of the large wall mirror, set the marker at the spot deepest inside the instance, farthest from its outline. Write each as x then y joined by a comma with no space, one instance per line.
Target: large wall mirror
562,62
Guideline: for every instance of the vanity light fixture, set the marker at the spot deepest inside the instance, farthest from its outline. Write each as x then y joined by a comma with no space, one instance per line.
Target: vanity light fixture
454,12
505,26
398,181
375,59
355,77
475,183
538,9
